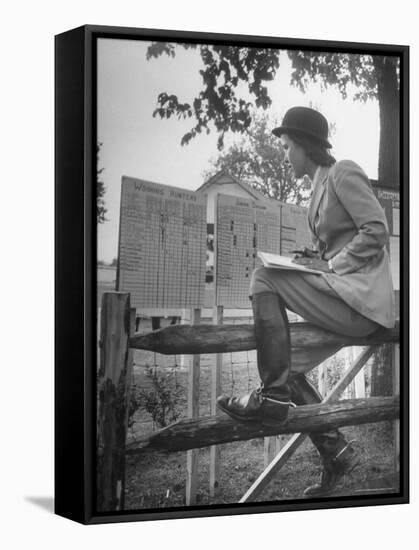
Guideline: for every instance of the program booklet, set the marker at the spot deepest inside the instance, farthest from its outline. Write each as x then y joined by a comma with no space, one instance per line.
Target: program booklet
284,262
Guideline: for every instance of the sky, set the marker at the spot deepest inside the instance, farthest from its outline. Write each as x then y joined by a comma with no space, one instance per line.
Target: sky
136,144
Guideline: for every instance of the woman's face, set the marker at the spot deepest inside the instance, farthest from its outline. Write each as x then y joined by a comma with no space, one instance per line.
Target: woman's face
294,155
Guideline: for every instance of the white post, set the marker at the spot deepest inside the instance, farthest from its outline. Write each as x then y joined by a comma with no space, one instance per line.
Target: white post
272,446
322,374
193,412
215,451
359,382
185,319
349,356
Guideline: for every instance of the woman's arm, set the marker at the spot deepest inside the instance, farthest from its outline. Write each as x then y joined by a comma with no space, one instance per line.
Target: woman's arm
354,191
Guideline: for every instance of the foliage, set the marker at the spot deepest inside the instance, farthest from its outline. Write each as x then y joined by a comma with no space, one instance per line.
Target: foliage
378,373
344,71
226,69
258,160
234,81
336,367
100,191
229,70
161,400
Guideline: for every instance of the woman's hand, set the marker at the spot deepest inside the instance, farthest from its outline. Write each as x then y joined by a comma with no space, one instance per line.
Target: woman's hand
305,252
313,263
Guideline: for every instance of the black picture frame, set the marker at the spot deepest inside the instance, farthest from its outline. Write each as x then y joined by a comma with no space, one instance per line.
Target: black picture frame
75,274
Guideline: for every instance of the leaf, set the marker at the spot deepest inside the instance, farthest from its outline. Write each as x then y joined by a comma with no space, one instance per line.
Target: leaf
158,48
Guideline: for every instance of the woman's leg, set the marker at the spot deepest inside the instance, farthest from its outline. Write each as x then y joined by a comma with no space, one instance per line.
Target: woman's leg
338,456
269,404
312,298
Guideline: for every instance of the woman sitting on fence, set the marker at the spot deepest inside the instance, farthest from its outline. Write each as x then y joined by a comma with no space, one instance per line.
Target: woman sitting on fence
351,295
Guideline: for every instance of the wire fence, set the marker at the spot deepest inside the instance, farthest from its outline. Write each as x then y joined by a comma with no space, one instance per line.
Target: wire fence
160,382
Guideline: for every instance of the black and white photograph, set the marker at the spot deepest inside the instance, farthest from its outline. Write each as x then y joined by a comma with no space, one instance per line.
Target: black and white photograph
209,229
249,245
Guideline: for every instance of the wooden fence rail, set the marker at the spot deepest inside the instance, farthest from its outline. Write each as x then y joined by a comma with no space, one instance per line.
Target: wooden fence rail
193,339
213,430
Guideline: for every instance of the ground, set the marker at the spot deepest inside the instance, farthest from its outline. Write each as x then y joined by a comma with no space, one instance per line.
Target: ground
157,481
160,481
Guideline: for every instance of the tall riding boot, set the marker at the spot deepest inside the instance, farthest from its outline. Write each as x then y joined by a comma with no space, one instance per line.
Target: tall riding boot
338,457
268,404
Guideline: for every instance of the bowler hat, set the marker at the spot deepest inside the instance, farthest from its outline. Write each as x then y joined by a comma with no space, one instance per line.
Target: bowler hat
305,122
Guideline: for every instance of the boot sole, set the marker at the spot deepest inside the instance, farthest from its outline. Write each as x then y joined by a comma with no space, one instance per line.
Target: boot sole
263,422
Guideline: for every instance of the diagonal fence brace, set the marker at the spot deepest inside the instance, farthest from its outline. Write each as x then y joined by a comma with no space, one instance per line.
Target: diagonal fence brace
288,450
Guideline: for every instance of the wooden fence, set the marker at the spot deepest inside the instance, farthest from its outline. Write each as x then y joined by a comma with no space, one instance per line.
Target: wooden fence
310,346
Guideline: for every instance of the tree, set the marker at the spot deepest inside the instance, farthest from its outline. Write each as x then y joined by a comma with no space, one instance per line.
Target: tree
232,74
381,373
375,77
257,160
100,191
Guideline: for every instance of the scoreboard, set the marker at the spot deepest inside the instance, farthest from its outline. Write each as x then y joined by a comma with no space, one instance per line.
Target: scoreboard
162,245
242,228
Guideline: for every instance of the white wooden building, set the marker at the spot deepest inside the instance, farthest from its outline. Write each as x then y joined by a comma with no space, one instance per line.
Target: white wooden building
226,184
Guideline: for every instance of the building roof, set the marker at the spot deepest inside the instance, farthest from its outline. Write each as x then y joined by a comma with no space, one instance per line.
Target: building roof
225,178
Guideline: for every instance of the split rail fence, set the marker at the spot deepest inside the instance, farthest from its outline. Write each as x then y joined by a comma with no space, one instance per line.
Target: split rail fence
310,346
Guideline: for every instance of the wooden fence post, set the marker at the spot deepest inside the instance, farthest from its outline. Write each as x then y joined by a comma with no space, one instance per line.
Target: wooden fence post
114,382
215,453
193,412
396,390
271,447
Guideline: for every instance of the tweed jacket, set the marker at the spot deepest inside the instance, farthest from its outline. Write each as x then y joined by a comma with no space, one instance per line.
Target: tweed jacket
349,227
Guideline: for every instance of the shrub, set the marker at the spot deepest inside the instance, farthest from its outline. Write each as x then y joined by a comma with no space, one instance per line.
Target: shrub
160,400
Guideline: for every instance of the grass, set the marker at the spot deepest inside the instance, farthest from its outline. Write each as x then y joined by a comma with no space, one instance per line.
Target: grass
155,481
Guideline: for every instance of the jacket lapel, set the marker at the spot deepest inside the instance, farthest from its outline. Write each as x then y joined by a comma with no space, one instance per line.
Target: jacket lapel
318,190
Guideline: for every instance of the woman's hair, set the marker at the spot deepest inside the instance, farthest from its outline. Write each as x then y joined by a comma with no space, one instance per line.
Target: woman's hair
317,153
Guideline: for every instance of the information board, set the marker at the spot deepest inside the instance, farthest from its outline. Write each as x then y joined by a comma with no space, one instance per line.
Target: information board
162,245
390,201
242,228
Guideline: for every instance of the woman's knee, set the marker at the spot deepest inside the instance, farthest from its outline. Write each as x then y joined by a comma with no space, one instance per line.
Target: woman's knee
260,281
